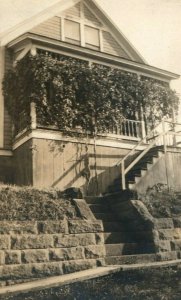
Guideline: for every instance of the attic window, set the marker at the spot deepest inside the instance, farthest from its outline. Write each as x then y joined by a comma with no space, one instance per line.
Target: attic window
92,38
72,32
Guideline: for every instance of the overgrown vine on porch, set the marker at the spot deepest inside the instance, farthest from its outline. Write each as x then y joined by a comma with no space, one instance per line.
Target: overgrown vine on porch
69,92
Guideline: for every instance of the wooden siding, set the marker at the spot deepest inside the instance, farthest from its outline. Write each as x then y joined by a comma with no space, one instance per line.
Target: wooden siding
23,164
111,46
65,164
164,172
89,16
6,169
74,11
7,119
50,28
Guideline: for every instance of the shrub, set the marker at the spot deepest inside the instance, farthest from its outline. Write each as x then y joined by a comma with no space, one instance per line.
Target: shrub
26,203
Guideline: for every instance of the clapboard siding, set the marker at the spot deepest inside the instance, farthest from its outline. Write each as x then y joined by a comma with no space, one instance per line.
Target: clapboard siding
111,46
66,164
74,11
7,130
23,164
50,28
7,119
88,15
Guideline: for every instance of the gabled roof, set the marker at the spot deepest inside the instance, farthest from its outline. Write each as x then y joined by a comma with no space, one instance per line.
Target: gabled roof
62,5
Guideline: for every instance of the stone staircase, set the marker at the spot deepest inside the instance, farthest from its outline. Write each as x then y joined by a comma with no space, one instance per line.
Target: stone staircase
131,240
139,170
122,245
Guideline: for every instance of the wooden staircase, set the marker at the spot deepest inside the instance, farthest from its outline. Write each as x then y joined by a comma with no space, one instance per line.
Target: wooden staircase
138,171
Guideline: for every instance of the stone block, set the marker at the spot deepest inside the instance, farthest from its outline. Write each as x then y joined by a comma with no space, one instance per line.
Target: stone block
67,253
32,242
15,271
163,223
95,251
47,269
74,240
18,227
78,265
177,222
83,209
162,246
169,234
99,238
35,256
26,271
52,227
82,226
4,242
13,257
2,258
164,256
176,245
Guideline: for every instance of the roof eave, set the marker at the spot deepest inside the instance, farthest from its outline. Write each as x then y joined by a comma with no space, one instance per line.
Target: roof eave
95,55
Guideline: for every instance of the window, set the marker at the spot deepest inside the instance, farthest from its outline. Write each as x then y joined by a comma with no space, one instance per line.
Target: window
72,32
92,38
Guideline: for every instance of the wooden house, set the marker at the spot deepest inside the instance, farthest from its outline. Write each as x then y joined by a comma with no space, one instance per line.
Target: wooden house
45,157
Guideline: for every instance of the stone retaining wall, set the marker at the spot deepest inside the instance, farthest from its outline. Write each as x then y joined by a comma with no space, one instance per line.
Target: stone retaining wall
38,249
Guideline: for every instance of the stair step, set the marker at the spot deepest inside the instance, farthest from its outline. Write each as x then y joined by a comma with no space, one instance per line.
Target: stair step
121,196
128,249
99,208
131,259
113,226
142,258
105,216
117,237
94,199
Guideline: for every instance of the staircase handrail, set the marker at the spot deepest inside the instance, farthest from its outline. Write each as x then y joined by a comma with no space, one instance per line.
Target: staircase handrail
137,145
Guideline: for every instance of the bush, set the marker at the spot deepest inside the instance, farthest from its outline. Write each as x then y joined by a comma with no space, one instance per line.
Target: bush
161,202
26,203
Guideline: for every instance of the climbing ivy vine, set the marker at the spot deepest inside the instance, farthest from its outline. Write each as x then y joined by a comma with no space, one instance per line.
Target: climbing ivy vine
69,92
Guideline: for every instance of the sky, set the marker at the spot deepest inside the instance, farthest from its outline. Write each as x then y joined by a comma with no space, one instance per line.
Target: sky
152,26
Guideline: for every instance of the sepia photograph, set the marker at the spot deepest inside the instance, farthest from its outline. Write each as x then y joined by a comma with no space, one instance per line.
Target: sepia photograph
90,149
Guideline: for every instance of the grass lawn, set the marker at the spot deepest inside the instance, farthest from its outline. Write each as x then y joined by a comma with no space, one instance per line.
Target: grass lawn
161,283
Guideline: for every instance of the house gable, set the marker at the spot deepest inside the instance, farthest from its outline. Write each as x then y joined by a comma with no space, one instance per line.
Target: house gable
80,26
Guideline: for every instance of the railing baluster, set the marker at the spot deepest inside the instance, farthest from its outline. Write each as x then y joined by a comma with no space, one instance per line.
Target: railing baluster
123,179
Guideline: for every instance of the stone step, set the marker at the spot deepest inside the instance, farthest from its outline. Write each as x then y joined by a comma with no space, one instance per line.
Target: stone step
105,217
118,237
129,248
142,258
94,199
131,259
113,226
121,196
99,208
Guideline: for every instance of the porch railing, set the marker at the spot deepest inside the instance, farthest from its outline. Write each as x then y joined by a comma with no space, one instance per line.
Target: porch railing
166,134
126,127
129,128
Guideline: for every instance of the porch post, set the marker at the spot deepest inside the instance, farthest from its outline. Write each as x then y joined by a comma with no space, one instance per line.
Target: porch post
2,69
143,129
33,115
